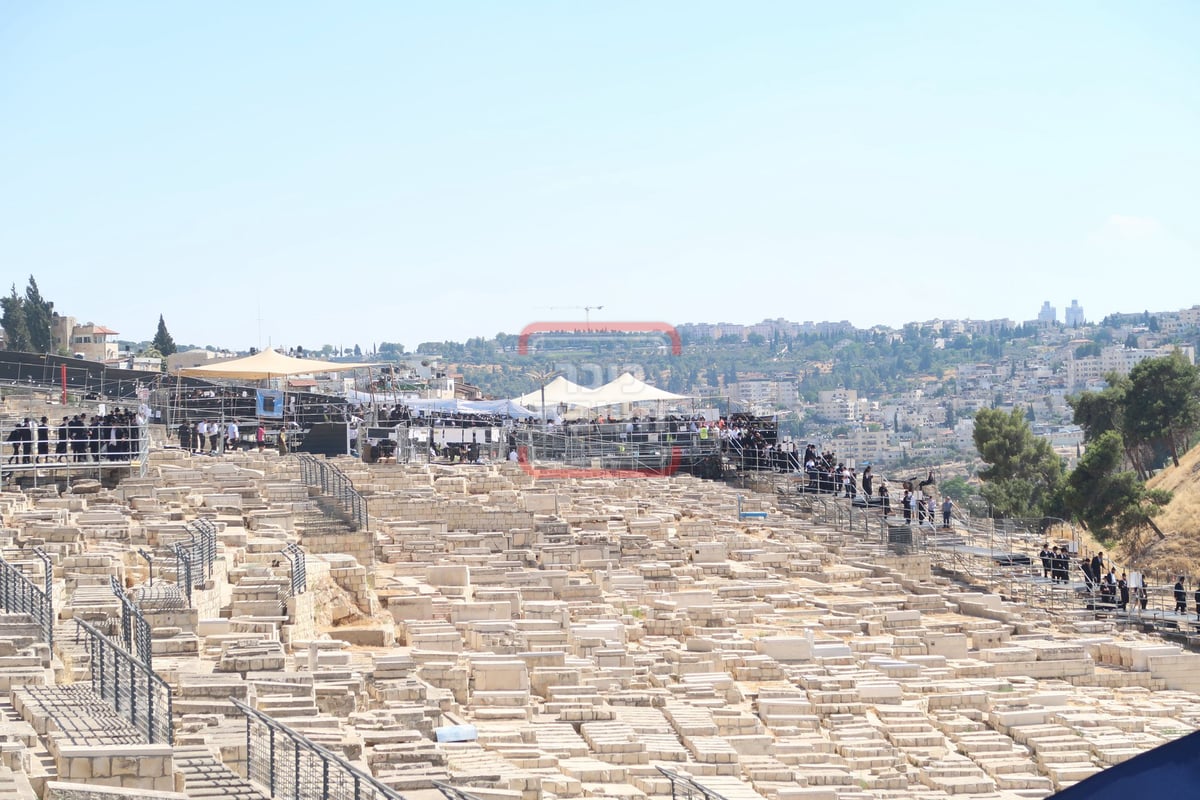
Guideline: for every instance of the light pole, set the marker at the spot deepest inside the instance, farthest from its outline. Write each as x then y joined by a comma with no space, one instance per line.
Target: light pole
542,376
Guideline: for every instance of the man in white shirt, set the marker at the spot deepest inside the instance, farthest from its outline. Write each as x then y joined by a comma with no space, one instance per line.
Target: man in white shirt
201,435
231,436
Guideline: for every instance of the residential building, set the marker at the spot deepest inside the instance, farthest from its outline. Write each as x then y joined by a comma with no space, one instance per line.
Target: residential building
764,392
1082,372
861,445
94,342
1048,315
1075,315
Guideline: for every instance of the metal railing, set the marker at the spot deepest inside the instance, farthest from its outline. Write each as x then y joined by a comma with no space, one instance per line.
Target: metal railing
299,571
645,453
206,529
135,630
334,483
130,686
453,792
194,558
18,595
284,763
183,569
686,788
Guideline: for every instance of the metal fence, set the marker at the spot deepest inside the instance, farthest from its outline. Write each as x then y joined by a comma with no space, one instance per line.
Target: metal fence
453,792
299,570
130,686
334,483
194,558
652,449
285,764
206,532
18,595
684,787
135,630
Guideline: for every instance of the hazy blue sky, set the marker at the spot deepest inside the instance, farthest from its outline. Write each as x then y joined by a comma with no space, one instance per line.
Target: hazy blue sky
367,172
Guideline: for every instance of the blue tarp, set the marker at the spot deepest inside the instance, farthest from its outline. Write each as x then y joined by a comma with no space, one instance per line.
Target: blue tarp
1170,770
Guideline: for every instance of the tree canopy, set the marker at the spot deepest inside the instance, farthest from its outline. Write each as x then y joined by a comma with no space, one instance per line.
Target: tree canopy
1155,410
1162,408
163,342
16,332
39,315
1023,474
1108,498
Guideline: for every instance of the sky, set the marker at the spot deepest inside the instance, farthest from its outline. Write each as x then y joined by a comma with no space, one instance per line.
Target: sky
352,173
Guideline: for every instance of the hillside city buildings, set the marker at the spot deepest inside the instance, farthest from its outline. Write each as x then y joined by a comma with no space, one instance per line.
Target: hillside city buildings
933,423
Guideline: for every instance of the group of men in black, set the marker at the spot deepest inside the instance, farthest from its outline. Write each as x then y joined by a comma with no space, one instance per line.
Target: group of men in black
1114,591
1181,598
112,437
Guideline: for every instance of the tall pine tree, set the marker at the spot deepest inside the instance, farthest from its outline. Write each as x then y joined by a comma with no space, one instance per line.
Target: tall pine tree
39,313
16,334
163,342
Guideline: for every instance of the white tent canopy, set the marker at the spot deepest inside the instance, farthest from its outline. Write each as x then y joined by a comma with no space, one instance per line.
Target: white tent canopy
559,390
628,389
266,364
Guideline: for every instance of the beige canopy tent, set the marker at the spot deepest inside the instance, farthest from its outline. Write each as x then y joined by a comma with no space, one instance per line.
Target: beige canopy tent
628,389
559,390
267,364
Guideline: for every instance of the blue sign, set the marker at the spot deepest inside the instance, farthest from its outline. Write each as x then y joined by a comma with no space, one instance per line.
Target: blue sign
269,403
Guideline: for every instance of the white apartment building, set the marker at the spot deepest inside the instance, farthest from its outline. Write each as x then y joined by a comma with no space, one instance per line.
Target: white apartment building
764,392
839,405
861,446
1117,358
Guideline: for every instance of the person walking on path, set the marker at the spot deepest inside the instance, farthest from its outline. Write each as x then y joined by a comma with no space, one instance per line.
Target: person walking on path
1180,597
947,511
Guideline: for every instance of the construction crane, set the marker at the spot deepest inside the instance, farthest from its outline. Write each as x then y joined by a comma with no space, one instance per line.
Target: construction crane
587,311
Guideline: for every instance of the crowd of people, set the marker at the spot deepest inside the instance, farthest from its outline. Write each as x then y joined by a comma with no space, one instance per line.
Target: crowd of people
105,436
1101,578
213,437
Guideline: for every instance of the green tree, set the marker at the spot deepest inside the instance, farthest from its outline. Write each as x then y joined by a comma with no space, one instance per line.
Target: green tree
1100,412
163,342
1162,403
16,333
957,489
1109,499
1023,473
39,314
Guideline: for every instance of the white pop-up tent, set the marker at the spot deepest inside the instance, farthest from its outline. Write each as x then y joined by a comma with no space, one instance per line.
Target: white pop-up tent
558,391
628,389
266,364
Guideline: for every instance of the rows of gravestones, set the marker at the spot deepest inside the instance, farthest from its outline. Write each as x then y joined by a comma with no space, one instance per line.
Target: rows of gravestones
563,637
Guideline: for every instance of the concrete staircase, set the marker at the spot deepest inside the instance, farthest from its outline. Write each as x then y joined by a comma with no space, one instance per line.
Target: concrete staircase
205,776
